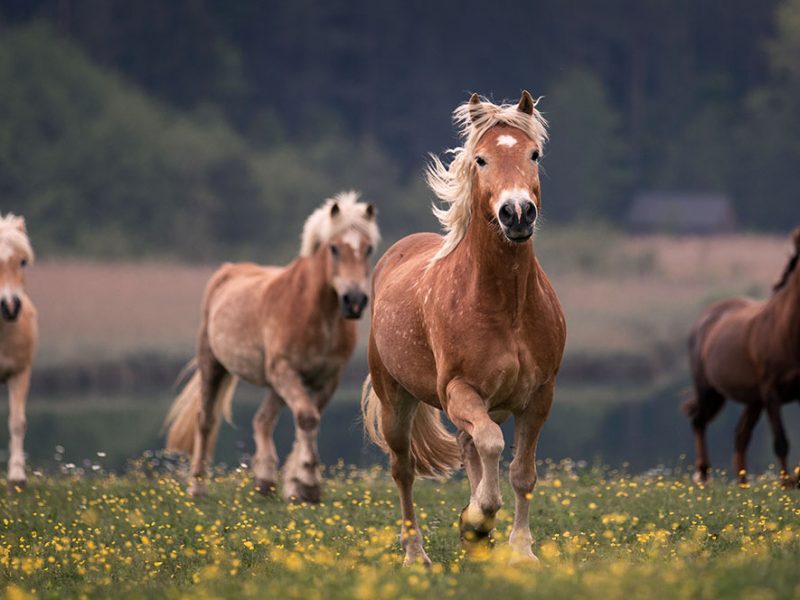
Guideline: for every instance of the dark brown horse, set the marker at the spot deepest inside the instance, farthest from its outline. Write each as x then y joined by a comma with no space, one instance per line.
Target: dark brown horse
748,351
469,324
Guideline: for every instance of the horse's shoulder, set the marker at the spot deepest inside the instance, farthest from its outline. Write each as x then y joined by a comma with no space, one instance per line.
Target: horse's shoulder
412,244
417,245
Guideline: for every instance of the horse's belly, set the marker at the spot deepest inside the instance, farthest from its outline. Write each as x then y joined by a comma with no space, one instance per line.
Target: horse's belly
728,367
237,346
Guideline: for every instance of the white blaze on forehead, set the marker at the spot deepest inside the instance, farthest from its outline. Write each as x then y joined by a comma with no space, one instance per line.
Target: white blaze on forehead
353,239
506,140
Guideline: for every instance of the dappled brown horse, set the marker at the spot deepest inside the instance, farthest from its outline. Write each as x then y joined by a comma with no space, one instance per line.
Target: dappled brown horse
290,329
748,351
18,336
469,324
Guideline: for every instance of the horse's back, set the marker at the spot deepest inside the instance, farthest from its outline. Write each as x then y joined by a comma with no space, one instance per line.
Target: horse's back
232,310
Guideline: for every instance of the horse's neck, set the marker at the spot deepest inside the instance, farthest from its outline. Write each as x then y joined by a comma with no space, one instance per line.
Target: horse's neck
315,292
499,271
785,308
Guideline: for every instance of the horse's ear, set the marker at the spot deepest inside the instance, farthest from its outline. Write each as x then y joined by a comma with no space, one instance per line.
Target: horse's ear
526,103
796,238
475,107
335,210
370,211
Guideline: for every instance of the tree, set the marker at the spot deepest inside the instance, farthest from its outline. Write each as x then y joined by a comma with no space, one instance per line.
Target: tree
584,166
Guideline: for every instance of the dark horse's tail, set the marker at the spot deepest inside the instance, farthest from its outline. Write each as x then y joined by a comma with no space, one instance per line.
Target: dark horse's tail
691,403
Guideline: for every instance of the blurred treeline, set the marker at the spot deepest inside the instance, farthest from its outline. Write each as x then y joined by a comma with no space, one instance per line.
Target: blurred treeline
208,129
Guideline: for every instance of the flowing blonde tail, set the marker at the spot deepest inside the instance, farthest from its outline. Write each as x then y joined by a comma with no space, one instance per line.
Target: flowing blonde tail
182,419
435,450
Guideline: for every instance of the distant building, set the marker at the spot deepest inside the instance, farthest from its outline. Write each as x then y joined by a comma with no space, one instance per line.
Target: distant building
681,212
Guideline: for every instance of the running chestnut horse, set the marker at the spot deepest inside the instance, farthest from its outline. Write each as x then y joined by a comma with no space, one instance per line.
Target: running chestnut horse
18,336
291,330
748,351
468,324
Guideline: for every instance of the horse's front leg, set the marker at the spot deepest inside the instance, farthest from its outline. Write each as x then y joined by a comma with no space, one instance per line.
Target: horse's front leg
301,477
467,411
265,459
18,395
522,471
772,401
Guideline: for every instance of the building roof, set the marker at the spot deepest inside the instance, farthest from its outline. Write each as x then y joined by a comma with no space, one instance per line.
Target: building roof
681,212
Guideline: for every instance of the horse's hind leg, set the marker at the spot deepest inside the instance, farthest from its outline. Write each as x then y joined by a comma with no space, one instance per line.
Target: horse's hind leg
744,431
705,407
467,411
265,460
522,471
212,376
18,395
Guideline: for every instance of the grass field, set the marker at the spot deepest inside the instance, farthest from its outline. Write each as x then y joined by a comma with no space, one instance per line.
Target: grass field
599,534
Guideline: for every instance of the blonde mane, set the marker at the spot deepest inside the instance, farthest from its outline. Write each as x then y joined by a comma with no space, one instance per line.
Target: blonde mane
13,238
321,225
452,184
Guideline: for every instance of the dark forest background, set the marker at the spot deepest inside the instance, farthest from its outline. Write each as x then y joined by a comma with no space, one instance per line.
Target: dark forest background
204,129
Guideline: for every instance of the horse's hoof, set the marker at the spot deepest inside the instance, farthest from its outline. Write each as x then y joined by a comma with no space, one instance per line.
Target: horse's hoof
475,538
265,488
417,558
197,489
16,485
523,558
700,478
299,492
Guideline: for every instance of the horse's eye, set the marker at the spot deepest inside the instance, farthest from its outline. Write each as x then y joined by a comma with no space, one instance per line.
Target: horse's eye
480,161
369,250
535,156
334,249
23,263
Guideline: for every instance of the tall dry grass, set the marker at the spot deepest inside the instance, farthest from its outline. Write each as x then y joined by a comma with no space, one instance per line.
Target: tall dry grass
621,294
92,310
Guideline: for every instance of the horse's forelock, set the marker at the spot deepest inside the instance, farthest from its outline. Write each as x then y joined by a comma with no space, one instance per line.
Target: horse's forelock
14,237
324,223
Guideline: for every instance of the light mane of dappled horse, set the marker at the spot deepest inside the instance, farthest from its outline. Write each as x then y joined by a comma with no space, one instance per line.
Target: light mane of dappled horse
290,329
18,336
468,324
748,351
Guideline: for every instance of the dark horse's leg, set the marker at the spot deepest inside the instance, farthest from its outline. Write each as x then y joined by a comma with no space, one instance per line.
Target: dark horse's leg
744,431
781,443
705,407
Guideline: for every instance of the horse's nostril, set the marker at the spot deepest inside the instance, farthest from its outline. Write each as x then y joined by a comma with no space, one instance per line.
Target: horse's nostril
530,212
506,214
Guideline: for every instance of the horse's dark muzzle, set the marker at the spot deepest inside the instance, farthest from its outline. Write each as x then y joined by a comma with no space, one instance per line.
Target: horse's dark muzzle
353,304
517,218
10,311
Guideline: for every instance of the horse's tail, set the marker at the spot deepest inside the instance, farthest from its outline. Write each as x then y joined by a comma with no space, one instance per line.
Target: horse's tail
182,420
434,449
